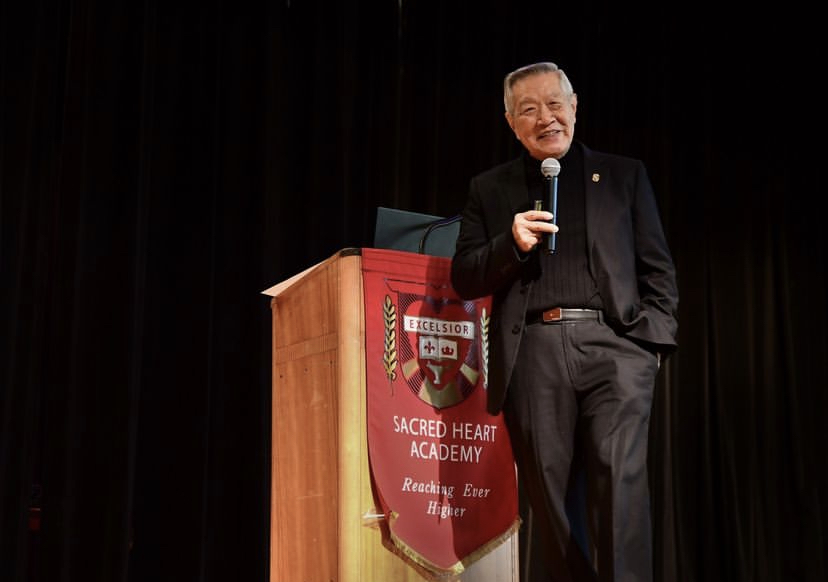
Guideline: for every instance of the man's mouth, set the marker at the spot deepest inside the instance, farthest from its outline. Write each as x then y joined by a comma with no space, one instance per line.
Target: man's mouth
550,133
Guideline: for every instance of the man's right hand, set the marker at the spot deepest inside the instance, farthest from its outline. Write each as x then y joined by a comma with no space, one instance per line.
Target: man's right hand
529,228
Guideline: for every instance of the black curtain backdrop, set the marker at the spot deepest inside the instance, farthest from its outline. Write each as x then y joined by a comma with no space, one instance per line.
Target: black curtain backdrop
161,165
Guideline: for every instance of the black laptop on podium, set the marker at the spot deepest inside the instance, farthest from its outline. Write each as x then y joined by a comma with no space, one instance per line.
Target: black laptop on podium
425,234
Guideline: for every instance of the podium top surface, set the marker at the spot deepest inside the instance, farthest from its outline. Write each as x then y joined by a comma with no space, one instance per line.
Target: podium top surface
278,288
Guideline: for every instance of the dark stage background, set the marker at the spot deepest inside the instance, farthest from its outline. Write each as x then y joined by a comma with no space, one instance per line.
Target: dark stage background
160,165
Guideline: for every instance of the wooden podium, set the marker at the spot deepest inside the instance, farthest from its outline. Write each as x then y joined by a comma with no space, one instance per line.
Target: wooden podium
324,525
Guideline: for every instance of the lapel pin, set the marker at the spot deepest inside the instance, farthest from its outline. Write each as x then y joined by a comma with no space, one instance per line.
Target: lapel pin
596,177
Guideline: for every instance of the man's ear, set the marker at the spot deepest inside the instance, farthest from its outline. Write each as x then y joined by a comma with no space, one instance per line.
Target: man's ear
510,120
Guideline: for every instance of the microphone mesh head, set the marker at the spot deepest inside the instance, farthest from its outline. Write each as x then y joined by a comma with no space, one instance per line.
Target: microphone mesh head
550,167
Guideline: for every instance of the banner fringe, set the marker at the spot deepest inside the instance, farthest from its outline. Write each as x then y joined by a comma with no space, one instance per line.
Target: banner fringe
437,573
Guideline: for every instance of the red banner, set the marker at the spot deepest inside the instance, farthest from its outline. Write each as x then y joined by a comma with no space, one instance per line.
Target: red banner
442,467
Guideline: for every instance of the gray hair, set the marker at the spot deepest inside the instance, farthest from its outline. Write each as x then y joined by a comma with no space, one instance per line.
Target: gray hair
528,71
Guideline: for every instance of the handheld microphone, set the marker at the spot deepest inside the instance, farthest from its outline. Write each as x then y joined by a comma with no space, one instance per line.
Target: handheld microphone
550,168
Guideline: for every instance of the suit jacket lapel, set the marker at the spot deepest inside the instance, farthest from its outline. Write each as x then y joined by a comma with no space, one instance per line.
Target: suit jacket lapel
515,178
595,184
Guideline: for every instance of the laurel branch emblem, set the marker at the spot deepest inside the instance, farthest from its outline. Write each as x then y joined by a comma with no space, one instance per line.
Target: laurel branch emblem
389,356
484,345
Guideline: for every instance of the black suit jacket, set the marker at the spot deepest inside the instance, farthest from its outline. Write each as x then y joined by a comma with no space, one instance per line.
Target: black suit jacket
628,257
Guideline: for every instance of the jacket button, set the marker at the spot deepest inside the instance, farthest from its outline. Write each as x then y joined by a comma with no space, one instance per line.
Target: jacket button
516,329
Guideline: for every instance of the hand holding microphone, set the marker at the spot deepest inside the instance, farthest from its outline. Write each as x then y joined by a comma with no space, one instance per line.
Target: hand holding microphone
540,224
531,227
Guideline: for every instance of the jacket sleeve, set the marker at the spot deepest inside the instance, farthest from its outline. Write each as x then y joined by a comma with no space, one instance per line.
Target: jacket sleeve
486,258
656,275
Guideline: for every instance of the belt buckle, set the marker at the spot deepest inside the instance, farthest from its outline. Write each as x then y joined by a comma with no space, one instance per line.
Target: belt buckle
552,315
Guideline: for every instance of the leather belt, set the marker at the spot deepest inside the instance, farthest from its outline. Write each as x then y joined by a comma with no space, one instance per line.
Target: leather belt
563,314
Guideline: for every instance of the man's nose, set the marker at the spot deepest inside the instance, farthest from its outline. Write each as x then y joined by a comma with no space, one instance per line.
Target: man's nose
546,115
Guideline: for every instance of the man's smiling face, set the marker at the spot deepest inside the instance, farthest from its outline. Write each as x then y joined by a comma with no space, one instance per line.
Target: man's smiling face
542,115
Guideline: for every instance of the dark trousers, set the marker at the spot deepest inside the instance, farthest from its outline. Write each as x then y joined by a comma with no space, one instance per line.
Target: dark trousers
578,410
